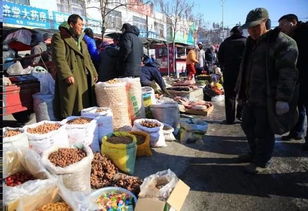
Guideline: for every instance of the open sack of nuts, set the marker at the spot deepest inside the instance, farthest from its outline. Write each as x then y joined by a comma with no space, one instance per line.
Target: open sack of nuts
121,148
81,130
23,186
152,127
103,116
14,138
71,165
46,134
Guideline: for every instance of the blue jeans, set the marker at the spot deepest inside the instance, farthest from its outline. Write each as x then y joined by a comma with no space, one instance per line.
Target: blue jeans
259,134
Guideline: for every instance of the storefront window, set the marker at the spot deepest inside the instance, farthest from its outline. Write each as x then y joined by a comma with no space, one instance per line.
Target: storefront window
24,2
159,29
141,24
114,20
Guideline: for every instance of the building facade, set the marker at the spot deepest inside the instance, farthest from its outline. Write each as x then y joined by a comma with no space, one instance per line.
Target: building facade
51,13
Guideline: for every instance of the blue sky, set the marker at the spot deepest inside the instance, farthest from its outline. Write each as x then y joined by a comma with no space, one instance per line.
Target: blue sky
235,11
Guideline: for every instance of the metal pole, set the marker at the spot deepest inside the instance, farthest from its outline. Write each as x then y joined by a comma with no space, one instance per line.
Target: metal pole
222,17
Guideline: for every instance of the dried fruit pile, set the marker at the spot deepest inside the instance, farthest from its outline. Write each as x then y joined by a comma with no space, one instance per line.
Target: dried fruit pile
10,133
44,128
18,178
120,140
56,206
102,171
80,120
66,156
130,183
150,124
140,139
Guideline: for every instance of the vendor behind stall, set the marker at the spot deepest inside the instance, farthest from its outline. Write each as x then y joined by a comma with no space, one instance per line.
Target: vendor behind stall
150,75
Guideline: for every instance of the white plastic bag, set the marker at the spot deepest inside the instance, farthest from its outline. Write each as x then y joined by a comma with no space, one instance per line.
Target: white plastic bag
47,83
218,98
156,133
33,189
166,179
42,142
103,116
43,107
192,130
75,177
17,69
81,134
168,132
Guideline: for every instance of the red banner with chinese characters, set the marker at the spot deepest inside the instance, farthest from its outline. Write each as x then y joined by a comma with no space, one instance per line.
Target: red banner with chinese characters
140,7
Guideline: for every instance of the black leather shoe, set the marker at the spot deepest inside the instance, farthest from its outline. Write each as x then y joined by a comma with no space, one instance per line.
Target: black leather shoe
290,137
225,122
253,169
244,158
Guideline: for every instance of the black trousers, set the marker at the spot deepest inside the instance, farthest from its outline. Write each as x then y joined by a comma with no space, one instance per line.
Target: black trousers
230,104
260,137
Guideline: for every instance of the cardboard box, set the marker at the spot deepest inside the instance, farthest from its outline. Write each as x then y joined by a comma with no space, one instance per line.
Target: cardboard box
175,200
204,112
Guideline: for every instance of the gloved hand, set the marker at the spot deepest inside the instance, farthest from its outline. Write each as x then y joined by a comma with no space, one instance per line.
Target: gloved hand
282,107
167,93
154,86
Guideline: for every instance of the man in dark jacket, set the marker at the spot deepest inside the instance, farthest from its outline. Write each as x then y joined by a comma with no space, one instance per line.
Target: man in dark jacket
210,59
230,55
131,51
267,84
150,75
108,66
298,30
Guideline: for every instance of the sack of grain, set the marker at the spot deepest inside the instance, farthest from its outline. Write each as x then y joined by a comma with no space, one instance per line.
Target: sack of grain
114,96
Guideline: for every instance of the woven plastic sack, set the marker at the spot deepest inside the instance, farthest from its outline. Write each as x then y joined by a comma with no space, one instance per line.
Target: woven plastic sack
75,177
103,117
42,142
43,107
166,112
144,148
156,134
122,155
135,100
81,134
114,96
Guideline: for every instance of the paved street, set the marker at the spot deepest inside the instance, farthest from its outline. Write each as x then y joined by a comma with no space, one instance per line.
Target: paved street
218,183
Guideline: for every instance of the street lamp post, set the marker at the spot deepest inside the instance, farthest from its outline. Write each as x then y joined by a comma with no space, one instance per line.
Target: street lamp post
222,16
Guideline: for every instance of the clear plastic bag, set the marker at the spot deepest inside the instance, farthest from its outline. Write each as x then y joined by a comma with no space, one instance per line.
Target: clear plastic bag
159,185
29,161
